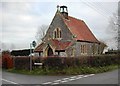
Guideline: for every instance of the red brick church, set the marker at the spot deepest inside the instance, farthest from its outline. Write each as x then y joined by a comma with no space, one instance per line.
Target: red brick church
68,36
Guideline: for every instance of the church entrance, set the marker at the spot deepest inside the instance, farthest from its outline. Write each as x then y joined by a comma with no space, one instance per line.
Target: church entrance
50,51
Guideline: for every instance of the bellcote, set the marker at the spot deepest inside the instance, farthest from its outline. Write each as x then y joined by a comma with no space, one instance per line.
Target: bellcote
63,10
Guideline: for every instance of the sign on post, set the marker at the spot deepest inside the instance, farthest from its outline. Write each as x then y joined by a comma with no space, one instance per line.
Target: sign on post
33,43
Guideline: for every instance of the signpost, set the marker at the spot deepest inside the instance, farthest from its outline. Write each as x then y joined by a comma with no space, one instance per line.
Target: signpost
33,44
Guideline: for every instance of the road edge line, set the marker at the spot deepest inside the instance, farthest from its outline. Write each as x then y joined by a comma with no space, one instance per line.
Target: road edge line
9,81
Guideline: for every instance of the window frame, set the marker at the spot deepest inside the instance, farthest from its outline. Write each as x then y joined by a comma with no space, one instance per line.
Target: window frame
83,49
57,33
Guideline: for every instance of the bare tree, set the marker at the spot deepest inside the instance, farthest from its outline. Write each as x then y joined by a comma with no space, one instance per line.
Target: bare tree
41,32
113,28
113,23
119,25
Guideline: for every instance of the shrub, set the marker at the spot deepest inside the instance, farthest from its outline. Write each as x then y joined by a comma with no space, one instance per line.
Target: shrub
7,61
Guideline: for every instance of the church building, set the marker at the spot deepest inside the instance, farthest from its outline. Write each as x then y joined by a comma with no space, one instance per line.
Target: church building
68,36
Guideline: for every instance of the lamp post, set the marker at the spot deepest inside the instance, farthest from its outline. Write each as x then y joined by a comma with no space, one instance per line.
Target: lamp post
33,44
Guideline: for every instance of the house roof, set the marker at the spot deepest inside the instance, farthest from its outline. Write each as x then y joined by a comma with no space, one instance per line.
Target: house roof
58,45
79,29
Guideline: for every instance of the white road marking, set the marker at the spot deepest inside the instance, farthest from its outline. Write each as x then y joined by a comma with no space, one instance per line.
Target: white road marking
73,77
79,78
85,76
63,80
47,83
55,83
57,80
9,81
92,74
88,75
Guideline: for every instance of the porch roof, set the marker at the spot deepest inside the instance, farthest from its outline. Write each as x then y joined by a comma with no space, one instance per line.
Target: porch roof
58,45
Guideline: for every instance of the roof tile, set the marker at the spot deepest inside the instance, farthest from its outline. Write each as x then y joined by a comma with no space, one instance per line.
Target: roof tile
80,29
58,45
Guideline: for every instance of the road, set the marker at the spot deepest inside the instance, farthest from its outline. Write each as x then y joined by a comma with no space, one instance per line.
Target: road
102,78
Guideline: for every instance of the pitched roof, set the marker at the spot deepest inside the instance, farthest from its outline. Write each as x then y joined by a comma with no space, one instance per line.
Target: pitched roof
79,29
40,47
58,45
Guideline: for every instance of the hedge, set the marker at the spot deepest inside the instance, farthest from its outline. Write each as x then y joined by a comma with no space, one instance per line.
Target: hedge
23,62
53,62
64,62
89,61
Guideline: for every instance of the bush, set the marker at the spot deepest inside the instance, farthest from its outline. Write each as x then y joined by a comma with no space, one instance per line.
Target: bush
7,61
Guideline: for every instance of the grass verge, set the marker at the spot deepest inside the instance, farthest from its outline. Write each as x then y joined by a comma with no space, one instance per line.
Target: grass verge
65,71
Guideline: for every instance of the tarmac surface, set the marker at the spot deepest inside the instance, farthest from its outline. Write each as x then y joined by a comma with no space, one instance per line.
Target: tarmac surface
110,77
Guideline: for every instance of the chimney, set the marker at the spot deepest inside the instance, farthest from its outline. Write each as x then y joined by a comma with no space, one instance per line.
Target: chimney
64,11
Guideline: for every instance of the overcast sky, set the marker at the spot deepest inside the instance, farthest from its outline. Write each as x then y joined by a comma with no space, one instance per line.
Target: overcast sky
20,20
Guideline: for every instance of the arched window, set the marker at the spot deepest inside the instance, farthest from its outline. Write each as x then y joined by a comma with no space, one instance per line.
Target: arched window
60,34
57,33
